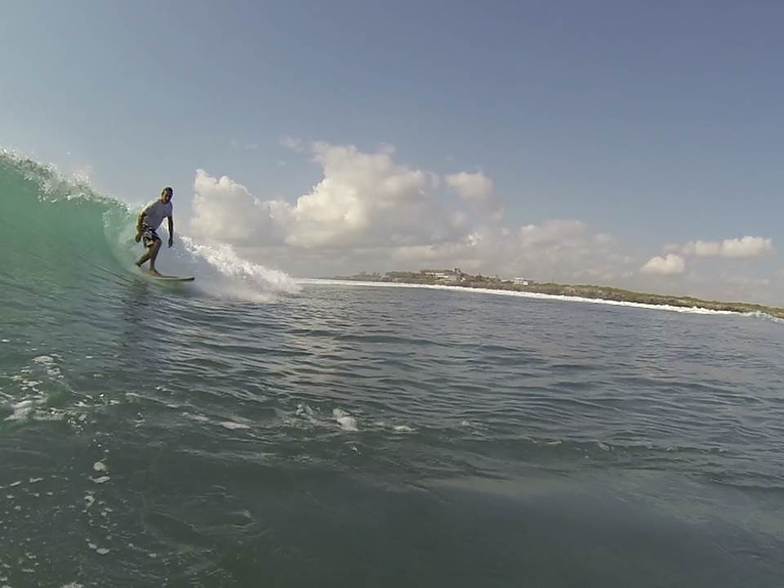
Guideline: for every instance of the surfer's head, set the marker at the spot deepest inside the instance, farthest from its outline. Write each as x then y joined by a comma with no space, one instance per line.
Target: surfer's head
166,194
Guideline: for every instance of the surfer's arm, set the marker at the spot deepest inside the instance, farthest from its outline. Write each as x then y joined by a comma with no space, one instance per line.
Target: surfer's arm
171,230
140,224
140,220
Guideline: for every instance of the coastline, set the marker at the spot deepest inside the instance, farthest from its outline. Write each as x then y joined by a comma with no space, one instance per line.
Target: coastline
576,293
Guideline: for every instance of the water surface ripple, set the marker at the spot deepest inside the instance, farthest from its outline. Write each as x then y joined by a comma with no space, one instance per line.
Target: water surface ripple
381,437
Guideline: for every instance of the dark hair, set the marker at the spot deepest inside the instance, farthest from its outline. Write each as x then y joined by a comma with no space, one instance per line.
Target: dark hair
167,189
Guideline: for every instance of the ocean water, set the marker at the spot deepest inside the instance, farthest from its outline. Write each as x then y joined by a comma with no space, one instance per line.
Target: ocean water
254,430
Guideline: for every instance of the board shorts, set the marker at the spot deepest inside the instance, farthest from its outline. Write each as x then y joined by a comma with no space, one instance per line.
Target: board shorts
149,236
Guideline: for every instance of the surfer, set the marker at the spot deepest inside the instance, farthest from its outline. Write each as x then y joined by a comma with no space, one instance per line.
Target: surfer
149,221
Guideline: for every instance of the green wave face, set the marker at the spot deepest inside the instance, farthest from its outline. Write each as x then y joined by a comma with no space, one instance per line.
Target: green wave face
54,233
66,274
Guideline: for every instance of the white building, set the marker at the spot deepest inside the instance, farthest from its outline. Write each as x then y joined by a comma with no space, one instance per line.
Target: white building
445,275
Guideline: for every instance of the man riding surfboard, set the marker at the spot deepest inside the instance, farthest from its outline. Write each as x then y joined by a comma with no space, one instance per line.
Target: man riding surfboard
149,220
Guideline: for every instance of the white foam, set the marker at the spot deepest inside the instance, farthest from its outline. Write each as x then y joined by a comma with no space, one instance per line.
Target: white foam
48,362
765,316
99,466
22,409
537,295
345,420
303,410
222,272
101,480
227,424
403,429
26,410
231,425
52,415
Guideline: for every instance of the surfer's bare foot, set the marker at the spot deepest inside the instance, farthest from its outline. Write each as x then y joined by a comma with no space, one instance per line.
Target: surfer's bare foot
155,273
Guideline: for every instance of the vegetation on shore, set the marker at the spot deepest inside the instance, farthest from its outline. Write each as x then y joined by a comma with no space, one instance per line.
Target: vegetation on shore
460,279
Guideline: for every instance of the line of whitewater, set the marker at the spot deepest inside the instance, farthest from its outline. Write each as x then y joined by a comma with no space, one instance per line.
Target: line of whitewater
537,295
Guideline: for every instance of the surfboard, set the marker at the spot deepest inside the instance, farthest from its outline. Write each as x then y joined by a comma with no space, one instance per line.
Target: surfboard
164,277
172,278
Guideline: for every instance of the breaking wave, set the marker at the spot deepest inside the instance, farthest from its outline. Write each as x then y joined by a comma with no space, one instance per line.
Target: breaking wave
59,234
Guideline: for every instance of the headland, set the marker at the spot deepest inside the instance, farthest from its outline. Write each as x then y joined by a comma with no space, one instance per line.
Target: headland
456,277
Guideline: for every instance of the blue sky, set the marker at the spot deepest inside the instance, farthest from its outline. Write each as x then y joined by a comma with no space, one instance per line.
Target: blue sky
658,124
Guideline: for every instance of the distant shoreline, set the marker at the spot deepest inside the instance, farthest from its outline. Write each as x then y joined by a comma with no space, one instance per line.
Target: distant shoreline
458,279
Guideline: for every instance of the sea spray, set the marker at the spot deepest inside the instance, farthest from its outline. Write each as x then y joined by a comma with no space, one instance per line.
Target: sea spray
223,272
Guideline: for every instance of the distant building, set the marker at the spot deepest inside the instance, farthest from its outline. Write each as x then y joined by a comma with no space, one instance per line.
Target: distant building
444,275
521,281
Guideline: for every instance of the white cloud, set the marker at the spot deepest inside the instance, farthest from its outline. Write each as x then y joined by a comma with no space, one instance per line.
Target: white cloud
478,193
239,145
472,187
744,247
554,250
366,199
553,233
670,264
292,143
363,199
225,211
370,212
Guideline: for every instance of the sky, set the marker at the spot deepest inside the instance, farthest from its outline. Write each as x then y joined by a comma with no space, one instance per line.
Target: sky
627,143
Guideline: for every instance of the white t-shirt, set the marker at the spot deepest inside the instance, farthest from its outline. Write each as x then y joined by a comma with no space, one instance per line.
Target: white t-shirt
155,213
